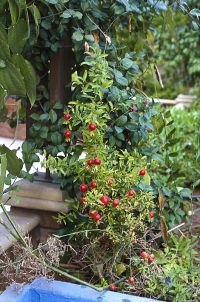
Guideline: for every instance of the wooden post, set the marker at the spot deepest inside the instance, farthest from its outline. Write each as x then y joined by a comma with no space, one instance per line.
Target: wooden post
60,73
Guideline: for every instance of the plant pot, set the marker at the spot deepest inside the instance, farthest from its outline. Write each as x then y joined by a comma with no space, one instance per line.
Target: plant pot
42,290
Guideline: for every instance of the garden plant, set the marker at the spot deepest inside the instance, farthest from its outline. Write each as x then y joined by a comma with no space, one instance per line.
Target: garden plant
102,144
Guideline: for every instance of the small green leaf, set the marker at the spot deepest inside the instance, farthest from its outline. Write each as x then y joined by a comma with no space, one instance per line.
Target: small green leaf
13,163
77,36
44,132
58,105
125,64
53,116
121,121
35,117
3,93
195,12
14,10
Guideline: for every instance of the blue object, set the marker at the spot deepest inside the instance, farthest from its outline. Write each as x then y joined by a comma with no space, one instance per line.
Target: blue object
43,290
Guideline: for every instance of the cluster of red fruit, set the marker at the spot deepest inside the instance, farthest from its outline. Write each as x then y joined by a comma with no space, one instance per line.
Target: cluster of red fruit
68,133
145,256
95,161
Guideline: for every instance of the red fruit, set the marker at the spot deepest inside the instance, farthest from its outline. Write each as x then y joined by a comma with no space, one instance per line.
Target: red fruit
67,116
97,216
131,280
142,172
90,162
92,127
83,188
110,181
104,199
151,214
82,200
92,213
113,287
131,193
151,259
144,255
97,161
152,256
67,133
93,185
115,202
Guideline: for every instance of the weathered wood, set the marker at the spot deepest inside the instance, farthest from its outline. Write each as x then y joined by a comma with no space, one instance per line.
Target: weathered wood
60,73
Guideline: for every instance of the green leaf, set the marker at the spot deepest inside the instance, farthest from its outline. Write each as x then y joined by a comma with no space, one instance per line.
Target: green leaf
13,163
195,12
89,38
12,80
120,136
3,93
77,36
4,49
112,141
35,117
28,146
121,121
58,105
14,11
53,116
36,15
134,116
125,64
118,129
122,81
44,117
28,74
3,33
84,5
56,138
131,126
3,164
78,15
44,132
17,36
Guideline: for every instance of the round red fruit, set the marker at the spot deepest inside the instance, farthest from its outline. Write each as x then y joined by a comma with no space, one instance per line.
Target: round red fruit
110,181
144,255
68,133
151,259
131,193
93,185
104,199
152,256
115,202
142,172
92,213
151,214
92,127
97,216
67,116
131,280
90,162
97,161
83,188
113,287
82,200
